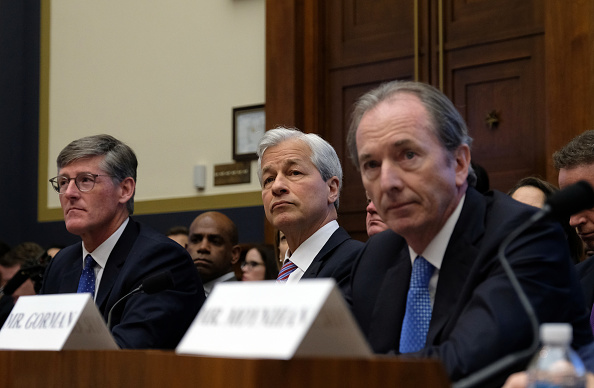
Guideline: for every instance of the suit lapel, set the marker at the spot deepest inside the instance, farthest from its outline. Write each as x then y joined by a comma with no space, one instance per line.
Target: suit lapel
116,260
69,282
459,258
388,312
336,239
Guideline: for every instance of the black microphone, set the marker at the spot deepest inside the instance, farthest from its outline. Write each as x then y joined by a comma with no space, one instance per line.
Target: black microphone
15,282
151,285
20,277
559,206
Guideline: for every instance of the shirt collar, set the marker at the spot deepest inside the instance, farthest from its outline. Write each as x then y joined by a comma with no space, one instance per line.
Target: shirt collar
435,251
309,249
102,252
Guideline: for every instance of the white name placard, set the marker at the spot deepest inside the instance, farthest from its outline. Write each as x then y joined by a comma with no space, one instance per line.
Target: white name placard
279,321
55,322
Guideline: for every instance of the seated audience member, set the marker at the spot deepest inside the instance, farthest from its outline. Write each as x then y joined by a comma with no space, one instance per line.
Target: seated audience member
212,243
237,266
280,243
534,191
433,287
20,274
179,234
575,162
301,177
96,183
373,221
23,256
259,264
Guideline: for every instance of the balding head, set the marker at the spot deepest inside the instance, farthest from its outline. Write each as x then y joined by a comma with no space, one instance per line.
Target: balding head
211,243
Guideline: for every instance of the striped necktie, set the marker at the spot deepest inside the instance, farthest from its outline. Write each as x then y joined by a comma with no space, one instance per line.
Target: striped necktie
285,271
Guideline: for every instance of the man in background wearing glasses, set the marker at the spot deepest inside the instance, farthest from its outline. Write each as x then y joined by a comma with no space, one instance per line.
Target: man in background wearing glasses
96,183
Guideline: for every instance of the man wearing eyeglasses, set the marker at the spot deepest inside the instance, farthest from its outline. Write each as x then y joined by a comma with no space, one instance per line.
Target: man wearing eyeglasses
96,183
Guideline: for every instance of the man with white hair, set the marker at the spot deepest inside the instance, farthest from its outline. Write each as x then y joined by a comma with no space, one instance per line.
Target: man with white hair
301,178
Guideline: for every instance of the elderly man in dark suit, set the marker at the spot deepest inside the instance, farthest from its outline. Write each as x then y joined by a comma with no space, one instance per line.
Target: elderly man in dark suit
301,178
432,286
96,184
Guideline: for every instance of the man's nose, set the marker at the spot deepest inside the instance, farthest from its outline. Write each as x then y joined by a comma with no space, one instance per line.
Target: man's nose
279,185
577,219
390,177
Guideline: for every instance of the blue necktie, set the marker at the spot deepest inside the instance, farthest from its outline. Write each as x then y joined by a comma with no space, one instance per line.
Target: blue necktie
418,308
87,277
285,271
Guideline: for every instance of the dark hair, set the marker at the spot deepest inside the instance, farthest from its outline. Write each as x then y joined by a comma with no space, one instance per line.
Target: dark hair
482,178
180,229
579,151
22,254
448,124
575,243
120,161
547,188
4,248
269,258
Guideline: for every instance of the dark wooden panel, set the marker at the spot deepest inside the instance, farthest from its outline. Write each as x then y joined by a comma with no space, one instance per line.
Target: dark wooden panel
508,80
569,73
362,31
469,22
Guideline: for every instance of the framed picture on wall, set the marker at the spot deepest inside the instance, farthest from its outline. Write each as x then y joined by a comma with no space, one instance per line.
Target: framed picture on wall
249,124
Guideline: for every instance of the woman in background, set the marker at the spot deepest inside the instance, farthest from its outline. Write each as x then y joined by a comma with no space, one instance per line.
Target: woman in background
260,264
535,191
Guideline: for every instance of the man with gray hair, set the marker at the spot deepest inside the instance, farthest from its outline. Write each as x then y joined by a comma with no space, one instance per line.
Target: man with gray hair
96,183
301,179
433,286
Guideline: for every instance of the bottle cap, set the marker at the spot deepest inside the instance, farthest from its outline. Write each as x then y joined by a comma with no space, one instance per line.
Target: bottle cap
556,333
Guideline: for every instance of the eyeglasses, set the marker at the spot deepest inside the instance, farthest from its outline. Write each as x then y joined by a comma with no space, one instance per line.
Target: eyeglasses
84,181
250,264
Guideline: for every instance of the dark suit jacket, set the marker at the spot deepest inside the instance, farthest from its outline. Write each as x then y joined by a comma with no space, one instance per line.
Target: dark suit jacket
335,259
147,321
477,317
585,271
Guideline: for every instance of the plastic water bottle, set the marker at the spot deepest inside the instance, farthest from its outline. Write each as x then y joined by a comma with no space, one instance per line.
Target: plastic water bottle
556,365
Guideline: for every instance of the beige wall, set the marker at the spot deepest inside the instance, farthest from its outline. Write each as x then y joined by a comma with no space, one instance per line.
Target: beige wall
163,76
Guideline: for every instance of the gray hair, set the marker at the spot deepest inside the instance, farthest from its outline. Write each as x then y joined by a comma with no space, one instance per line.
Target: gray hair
579,151
119,162
448,125
323,155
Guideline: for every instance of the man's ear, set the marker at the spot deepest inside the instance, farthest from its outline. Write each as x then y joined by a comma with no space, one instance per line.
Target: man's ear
127,187
462,161
235,253
334,189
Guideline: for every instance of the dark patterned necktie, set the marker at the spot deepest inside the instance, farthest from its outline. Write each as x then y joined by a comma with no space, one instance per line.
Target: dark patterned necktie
87,277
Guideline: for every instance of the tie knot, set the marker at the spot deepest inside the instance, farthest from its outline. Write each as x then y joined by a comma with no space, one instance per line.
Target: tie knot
286,270
89,262
421,272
